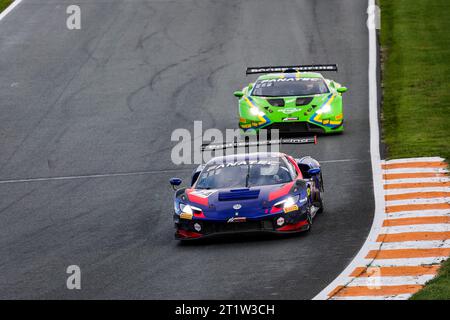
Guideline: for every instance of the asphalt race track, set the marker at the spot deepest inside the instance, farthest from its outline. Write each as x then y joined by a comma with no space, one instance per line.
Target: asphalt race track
105,99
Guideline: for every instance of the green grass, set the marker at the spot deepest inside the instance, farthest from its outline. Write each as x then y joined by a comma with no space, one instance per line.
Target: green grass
4,4
415,42
438,288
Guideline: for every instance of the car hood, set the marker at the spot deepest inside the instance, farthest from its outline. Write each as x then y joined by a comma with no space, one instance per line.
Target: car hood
253,202
292,106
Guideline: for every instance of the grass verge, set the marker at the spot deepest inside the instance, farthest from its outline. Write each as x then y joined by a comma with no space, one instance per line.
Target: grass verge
438,288
416,94
415,41
4,4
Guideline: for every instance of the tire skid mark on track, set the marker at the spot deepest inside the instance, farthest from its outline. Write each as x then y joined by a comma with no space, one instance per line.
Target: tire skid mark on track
413,240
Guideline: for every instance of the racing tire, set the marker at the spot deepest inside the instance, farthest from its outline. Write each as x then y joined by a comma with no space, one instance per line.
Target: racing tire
310,220
321,206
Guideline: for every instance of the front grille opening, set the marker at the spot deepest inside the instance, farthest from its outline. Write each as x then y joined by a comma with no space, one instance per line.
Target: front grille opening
303,101
295,127
276,102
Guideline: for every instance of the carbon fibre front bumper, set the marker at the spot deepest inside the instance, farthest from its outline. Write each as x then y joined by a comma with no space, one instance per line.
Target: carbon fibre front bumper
187,229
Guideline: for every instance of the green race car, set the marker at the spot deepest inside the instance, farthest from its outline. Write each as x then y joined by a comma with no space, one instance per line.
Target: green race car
292,99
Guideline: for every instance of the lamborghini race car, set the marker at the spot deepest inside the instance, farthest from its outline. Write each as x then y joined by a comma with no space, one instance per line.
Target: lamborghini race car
253,192
293,100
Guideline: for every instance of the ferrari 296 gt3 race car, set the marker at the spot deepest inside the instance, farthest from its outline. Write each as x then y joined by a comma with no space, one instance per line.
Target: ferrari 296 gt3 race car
253,192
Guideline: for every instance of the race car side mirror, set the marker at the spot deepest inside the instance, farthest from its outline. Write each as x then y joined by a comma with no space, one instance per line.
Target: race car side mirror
313,171
238,94
175,182
342,89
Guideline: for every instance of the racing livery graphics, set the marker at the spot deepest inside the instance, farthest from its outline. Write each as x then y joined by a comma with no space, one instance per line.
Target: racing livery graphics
292,99
256,192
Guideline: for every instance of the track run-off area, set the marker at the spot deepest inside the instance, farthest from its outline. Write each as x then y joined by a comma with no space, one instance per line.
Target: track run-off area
413,236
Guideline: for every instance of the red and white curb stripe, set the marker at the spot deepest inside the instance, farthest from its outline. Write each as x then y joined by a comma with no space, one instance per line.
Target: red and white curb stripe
410,240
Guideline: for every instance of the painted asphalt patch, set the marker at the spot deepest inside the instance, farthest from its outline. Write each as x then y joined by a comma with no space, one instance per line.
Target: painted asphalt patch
412,241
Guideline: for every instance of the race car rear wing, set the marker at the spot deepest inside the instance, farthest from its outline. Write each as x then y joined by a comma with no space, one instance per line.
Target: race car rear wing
287,69
247,143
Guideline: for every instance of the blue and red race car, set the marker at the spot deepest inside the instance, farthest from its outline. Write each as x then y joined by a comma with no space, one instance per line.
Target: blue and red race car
253,192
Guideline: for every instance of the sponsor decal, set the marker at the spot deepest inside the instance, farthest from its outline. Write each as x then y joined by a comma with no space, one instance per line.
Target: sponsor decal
203,193
187,216
289,110
290,209
242,163
319,67
291,79
280,221
290,119
237,219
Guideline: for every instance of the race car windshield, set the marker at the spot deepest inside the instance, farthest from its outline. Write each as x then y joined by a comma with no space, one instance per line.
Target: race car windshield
244,174
289,87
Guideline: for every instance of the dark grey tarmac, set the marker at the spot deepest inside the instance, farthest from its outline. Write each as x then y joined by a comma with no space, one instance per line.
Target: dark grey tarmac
105,99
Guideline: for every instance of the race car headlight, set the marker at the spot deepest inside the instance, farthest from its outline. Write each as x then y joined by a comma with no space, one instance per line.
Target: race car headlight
288,202
324,109
287,205
186,208
256,112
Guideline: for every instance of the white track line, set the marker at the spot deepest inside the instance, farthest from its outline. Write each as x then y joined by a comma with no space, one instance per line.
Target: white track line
91,176
397,297
336,161
415,214
413,190
440,200
417,180
404,262
9,9
407,160
438,227
390,281
415,170
375,161
411,245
